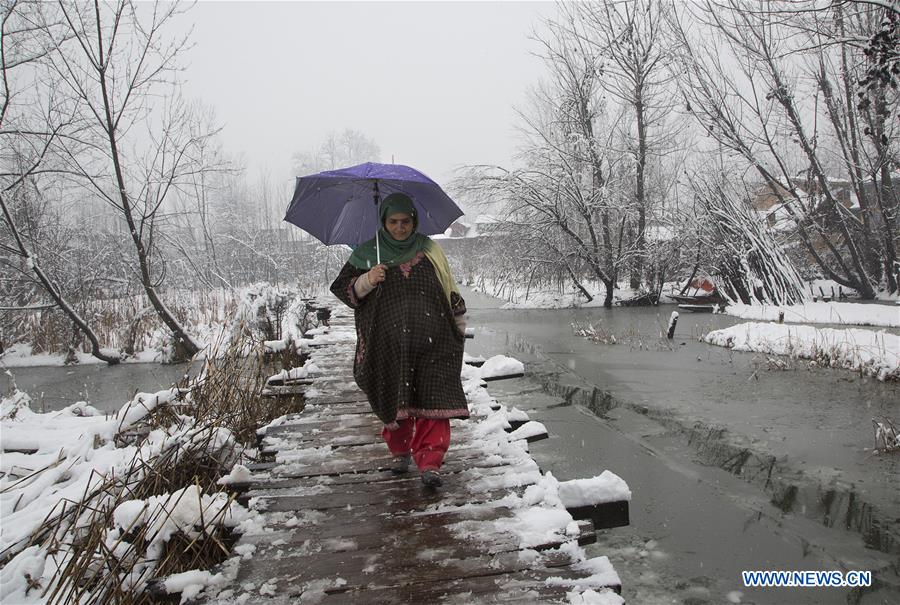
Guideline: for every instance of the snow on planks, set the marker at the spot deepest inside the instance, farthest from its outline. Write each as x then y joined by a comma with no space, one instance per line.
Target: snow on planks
339,527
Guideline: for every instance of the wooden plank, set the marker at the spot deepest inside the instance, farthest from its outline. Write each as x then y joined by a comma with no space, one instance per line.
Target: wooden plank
272,383
266,481
324,422
526,587
297,573
375,464
348,438
327,429
365,458
605,515
390,498
414,534
337,399
503,377
336,409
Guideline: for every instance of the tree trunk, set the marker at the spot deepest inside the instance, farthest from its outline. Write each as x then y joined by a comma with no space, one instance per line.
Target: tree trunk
608,297
178,332
637,273
578,285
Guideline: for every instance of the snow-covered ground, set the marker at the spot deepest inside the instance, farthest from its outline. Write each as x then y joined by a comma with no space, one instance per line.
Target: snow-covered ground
521,296
871,352
842,313
52,461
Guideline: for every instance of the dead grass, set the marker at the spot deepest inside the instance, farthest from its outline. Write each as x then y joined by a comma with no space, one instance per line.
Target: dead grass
210,425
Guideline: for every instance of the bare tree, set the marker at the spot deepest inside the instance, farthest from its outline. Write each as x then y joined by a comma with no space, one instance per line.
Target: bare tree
338,150
630,36
26,145
569,201
751,95
195,239
116,65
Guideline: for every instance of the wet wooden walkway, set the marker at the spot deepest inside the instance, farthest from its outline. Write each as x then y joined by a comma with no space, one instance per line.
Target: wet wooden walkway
336,526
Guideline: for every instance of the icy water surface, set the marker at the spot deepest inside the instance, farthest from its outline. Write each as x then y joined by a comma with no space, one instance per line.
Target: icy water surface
734,465
107,388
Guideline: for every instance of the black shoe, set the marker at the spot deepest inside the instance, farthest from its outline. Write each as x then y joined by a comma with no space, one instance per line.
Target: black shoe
431,479
400,464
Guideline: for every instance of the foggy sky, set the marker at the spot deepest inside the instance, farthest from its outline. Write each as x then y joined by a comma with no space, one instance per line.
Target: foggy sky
433,83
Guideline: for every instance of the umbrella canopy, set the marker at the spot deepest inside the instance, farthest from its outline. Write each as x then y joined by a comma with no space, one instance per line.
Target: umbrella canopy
341,206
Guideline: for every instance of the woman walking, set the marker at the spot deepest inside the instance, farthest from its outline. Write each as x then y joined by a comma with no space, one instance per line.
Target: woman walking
410,328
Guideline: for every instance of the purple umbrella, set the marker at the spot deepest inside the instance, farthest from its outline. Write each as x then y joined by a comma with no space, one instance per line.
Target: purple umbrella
341,206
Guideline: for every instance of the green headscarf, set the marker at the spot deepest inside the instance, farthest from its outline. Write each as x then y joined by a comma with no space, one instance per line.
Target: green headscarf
394,253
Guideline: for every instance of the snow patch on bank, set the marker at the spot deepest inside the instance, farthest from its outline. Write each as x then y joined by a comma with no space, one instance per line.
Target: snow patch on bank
841,313
871,352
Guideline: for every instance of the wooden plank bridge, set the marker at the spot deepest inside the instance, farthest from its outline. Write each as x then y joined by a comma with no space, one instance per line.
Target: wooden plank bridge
339,527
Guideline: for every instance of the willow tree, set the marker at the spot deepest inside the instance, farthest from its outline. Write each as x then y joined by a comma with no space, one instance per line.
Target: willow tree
751,266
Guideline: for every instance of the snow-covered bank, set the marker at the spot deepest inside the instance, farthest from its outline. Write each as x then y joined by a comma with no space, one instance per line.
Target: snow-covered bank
215,319
521,295
875,353
110,478
139,490
62,456
822,313
20,356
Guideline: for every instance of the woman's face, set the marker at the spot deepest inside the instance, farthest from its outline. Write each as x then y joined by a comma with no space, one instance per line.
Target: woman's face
399,225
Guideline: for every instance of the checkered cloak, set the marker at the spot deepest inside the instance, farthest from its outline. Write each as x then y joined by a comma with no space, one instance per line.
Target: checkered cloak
408,348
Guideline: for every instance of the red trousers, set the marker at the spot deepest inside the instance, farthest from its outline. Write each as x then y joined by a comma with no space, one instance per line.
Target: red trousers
427,439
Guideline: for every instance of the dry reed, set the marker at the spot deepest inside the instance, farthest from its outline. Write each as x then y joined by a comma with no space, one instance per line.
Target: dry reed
186,444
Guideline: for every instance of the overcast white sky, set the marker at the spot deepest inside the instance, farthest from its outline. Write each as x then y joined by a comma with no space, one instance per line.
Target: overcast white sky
433,83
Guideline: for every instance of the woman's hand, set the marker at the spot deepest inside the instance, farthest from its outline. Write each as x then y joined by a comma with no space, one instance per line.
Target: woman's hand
376,274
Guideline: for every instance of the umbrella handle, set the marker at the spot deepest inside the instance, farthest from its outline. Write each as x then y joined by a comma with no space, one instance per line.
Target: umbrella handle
377,197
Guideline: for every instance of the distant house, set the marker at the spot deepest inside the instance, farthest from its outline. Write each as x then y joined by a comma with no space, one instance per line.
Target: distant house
768,198
769,205
458,229
774,205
